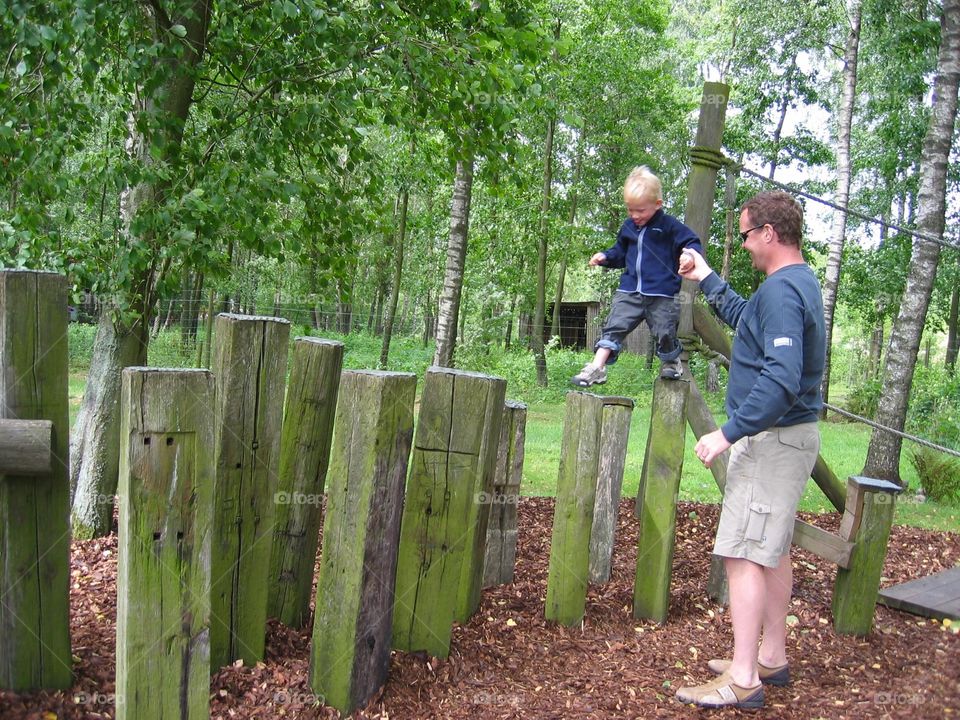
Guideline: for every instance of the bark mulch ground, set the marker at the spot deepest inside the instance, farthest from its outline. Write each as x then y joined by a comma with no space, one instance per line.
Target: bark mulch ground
507,662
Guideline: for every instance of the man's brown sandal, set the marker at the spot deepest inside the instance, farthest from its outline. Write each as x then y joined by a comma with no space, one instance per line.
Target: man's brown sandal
722,692
778,675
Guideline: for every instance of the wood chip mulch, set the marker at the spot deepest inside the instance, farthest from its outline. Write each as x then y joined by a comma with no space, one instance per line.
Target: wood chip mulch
508,662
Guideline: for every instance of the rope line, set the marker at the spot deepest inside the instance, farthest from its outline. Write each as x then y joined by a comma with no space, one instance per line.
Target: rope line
848,211
892,431
695,344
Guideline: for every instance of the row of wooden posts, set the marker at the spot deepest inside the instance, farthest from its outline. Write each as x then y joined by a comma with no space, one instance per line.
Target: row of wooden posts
222,476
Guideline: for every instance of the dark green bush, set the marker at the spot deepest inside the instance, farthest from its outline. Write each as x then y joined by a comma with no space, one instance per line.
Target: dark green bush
939,474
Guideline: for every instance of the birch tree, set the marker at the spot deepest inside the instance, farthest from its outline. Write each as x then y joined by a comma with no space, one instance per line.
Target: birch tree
842,196
883,454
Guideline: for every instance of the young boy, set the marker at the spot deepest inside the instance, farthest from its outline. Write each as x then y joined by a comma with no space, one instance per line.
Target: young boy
648,249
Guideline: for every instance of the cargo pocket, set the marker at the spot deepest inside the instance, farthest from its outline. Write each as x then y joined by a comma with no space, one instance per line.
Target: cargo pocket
756,522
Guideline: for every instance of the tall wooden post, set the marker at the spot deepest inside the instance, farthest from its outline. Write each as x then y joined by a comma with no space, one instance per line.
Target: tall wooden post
614,436
867,521
501,553
657,499
705,159
166,520
304,452
350,655
569,570
451,474
34,508
250,362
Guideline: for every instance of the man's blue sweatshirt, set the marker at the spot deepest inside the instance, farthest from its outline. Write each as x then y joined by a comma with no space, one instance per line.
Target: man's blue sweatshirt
778,350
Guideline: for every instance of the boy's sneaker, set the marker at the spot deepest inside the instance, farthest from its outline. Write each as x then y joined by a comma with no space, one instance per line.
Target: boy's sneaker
672,370
590,375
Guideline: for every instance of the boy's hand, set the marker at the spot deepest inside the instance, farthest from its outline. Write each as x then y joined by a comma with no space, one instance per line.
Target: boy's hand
693,266
597,259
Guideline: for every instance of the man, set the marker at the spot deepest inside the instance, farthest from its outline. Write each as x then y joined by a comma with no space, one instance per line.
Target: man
773,399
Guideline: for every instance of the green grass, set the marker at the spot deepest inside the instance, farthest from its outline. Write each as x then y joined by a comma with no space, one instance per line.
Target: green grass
844,445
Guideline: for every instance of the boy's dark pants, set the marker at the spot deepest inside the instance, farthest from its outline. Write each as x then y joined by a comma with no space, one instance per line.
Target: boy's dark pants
629,310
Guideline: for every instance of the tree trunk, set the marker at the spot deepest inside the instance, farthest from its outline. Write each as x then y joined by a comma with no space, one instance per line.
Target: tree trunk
952,326
876,350
95,440
539,308
730,201
574,202
784,106
838,234
448,311
95,443
883,455
397,276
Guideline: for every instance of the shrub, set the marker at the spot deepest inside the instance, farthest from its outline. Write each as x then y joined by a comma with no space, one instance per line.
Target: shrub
939,474
864,398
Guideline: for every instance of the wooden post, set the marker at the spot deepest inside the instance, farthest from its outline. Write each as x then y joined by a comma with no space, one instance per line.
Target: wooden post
871,503
26,447
702,422
614,435
705,160
569,570
250,361
166,519
501,553
304,453
451,470
478,510
350,654
34,508
659,484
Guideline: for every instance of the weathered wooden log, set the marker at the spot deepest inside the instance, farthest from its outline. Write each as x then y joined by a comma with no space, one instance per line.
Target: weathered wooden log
166,519
34,509
250,361
304,453
705,161
501,552
569,570
614,435
350,654
26,447
478,511
856,587
659,485
702,422
450,477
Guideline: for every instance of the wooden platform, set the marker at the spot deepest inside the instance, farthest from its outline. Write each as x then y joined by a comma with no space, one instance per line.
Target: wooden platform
936,596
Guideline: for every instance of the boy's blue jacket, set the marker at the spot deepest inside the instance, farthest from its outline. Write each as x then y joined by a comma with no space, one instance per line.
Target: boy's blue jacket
650,267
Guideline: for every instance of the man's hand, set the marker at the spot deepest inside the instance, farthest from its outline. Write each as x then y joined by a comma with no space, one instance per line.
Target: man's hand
693,266
597,259
711,445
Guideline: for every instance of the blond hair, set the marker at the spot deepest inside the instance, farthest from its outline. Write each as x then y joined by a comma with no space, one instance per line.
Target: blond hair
641,184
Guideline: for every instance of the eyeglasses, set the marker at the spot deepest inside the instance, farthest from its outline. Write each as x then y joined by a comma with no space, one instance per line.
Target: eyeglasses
743,235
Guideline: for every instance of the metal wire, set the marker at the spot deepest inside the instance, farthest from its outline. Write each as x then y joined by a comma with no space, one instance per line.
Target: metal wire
848,211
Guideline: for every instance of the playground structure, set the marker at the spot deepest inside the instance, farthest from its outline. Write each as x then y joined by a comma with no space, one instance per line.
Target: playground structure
221,490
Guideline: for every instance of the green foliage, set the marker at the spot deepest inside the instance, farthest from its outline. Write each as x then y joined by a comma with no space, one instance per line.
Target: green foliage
939,474
934,411
863,398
